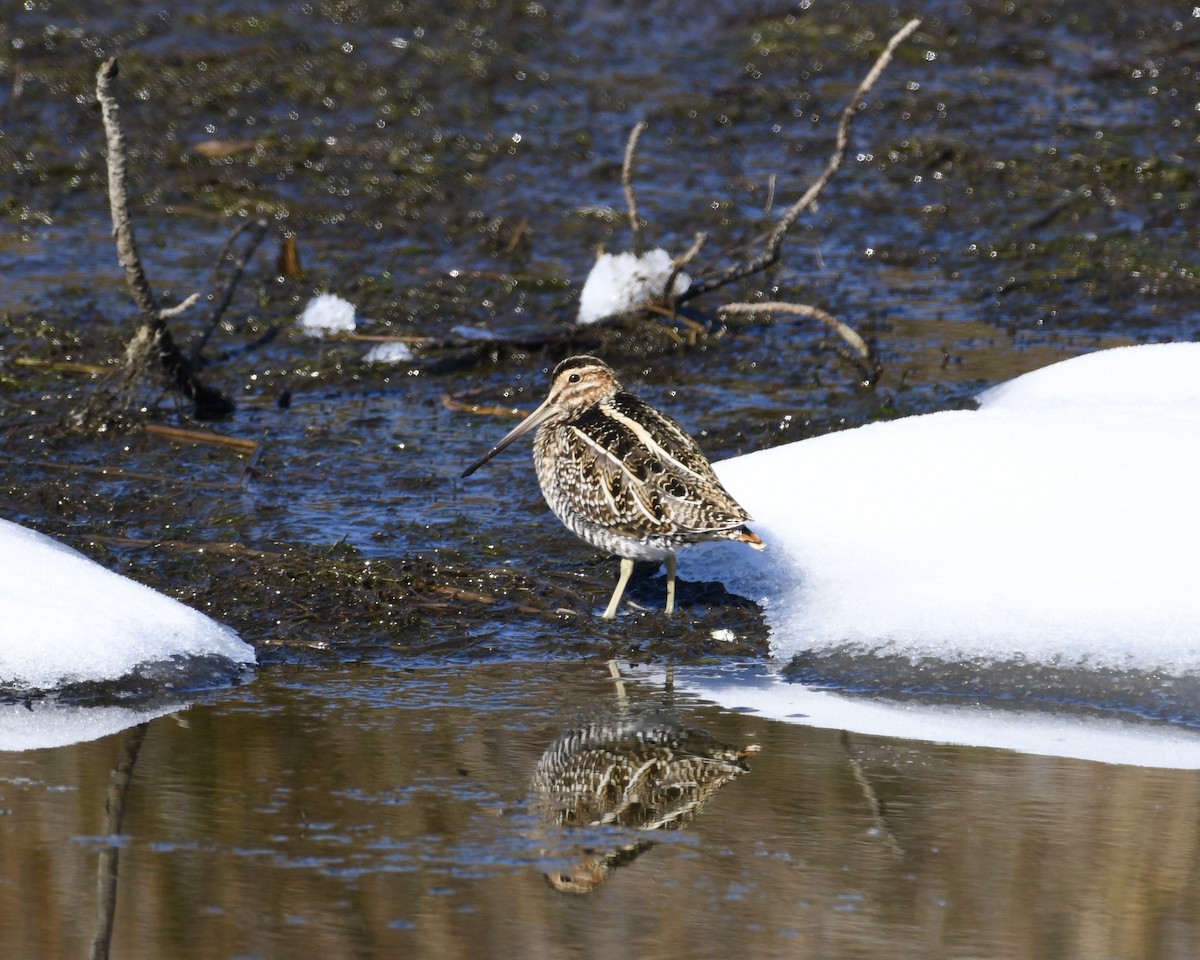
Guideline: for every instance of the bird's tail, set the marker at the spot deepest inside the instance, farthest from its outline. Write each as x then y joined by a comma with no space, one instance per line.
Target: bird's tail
745,535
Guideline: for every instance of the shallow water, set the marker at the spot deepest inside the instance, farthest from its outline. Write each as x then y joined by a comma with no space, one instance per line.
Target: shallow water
384,808
1019,190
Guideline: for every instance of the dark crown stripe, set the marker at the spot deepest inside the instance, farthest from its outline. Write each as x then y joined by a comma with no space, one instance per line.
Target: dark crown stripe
578,363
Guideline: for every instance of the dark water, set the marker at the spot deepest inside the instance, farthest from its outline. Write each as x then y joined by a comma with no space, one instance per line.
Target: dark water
1021,187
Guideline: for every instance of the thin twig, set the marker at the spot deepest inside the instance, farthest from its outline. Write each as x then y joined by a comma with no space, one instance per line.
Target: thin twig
456,403
860,353
679,263
770,195
182,307
773,241
116,473
635,227
189,546
62,366
239,261
182,435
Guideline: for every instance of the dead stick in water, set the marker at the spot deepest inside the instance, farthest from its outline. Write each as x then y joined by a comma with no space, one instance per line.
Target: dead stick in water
635,227
200,436
258,229
152,340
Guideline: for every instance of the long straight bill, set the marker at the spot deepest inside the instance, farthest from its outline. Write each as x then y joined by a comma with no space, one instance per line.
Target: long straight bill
522,428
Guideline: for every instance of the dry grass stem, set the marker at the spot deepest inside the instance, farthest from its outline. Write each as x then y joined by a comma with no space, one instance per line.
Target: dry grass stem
183,435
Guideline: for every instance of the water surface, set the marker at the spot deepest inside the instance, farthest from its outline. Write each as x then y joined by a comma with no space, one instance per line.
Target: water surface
374,809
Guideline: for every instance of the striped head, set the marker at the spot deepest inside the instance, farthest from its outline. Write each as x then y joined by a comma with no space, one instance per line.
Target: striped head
578,384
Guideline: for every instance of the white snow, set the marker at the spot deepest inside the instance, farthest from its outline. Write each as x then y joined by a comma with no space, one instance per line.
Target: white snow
391,352
1058,524
326,314
622,281
67,619
758,691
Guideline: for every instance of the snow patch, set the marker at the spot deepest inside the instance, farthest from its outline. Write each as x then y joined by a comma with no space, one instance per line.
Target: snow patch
327,314
68,620
389,353
1058,524
623,281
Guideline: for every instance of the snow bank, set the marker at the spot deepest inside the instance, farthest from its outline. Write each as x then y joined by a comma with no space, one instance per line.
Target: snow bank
68,620
1058,524
757,690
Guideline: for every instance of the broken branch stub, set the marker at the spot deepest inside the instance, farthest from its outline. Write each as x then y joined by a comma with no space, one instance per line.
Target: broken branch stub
152,342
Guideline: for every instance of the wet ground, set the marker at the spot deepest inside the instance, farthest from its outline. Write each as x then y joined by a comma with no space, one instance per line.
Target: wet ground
1020,188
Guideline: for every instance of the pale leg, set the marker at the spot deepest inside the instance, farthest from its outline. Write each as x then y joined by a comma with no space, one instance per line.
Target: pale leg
626,572
670,584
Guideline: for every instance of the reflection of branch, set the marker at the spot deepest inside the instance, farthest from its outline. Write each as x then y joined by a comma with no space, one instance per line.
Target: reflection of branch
635,228
872,800
153,340
773,241
860,354
114,812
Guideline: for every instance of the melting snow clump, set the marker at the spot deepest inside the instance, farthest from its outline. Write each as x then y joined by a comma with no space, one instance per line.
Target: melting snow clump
622,281
327,313
389,353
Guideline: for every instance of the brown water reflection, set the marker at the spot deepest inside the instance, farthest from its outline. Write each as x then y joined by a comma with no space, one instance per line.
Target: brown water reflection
362,810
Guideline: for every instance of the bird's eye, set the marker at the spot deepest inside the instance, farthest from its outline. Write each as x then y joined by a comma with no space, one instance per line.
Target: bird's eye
573,378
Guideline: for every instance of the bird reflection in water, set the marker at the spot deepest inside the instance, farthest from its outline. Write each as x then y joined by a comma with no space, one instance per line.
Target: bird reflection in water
644,773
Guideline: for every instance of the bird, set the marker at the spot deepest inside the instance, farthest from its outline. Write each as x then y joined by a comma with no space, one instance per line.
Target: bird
623,476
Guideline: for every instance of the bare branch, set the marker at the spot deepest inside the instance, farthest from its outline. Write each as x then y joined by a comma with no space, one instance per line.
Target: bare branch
118,199
167,312
635,228
679,263
152,341
773,241
860,353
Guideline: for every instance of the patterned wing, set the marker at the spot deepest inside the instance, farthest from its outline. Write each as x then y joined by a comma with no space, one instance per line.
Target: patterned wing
650,473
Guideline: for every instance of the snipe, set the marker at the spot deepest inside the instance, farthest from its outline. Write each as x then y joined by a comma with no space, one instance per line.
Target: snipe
621,475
